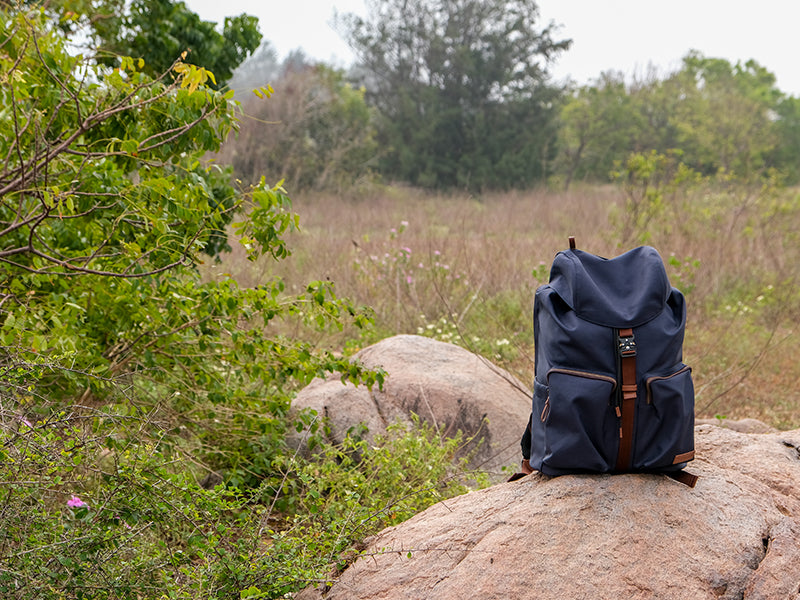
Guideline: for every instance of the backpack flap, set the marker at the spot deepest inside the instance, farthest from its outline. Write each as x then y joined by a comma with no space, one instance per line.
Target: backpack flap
625,291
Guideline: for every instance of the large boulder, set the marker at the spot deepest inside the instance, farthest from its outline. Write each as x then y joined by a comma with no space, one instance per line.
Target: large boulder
447,386
735,535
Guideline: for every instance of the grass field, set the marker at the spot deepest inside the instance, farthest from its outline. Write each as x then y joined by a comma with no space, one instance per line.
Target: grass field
464,269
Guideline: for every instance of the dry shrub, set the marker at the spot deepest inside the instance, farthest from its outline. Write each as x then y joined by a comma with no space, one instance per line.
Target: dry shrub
732,251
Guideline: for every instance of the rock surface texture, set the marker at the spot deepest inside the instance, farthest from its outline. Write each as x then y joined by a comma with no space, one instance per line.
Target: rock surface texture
736,535
447,386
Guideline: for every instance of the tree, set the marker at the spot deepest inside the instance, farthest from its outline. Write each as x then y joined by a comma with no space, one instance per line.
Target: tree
725,116
316,131
257,71
159,32
105,207
450,81
785,156
722,117
598,125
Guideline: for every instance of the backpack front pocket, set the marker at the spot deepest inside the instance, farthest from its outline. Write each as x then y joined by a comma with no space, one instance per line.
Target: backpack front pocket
665,421
581,430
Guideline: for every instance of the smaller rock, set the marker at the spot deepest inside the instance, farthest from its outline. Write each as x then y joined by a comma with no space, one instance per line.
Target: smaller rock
447,386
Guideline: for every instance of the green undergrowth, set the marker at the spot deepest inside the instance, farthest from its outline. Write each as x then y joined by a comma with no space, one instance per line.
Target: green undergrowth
94,507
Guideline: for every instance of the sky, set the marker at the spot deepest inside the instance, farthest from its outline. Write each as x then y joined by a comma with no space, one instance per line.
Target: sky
630,36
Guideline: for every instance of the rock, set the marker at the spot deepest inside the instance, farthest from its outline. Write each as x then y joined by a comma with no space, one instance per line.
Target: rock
735,535
447,386
740,425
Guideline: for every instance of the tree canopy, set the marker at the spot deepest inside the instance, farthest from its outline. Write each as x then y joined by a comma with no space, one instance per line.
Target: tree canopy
461,88
159,32
722,117
316,131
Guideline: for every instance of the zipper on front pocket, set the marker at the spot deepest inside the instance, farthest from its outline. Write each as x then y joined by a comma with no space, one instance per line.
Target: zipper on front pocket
650,380
585,374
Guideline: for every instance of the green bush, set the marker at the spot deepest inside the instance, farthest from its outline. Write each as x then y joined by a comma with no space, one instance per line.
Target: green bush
90,513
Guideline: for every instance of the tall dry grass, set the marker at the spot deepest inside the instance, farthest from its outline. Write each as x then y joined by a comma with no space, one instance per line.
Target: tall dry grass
464,269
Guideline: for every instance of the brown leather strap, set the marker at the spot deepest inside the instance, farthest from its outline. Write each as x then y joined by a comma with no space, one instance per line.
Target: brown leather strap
525,469
627,410
684,477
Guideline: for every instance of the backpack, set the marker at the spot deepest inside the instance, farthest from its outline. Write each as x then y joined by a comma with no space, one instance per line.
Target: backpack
611,392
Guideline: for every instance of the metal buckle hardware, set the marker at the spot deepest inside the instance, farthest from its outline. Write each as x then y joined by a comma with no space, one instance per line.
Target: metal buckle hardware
627,346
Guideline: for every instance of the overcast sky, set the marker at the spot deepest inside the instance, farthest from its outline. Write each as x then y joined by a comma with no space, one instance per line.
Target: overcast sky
624,35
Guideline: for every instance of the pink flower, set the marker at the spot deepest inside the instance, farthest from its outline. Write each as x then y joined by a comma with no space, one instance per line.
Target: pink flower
75,502
409,280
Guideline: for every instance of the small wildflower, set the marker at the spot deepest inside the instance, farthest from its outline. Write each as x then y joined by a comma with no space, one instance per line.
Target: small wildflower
409,279
76,502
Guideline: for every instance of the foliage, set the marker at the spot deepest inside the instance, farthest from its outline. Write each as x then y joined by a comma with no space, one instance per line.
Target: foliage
785,155
460,88
126,379
720,116
598,125
89,511
87,515
652,185
105,209
382,481
725,118
316,131
160,32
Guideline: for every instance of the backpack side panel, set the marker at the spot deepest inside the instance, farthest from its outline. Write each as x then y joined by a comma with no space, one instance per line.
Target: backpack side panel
664,426
573,425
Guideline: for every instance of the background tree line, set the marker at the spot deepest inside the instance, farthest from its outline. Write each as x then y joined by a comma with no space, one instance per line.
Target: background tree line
458,95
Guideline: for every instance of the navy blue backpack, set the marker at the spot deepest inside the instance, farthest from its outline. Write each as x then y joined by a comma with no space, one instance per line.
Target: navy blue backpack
611,392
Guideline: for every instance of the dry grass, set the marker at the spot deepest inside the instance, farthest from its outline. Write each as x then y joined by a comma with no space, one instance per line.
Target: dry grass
465,269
